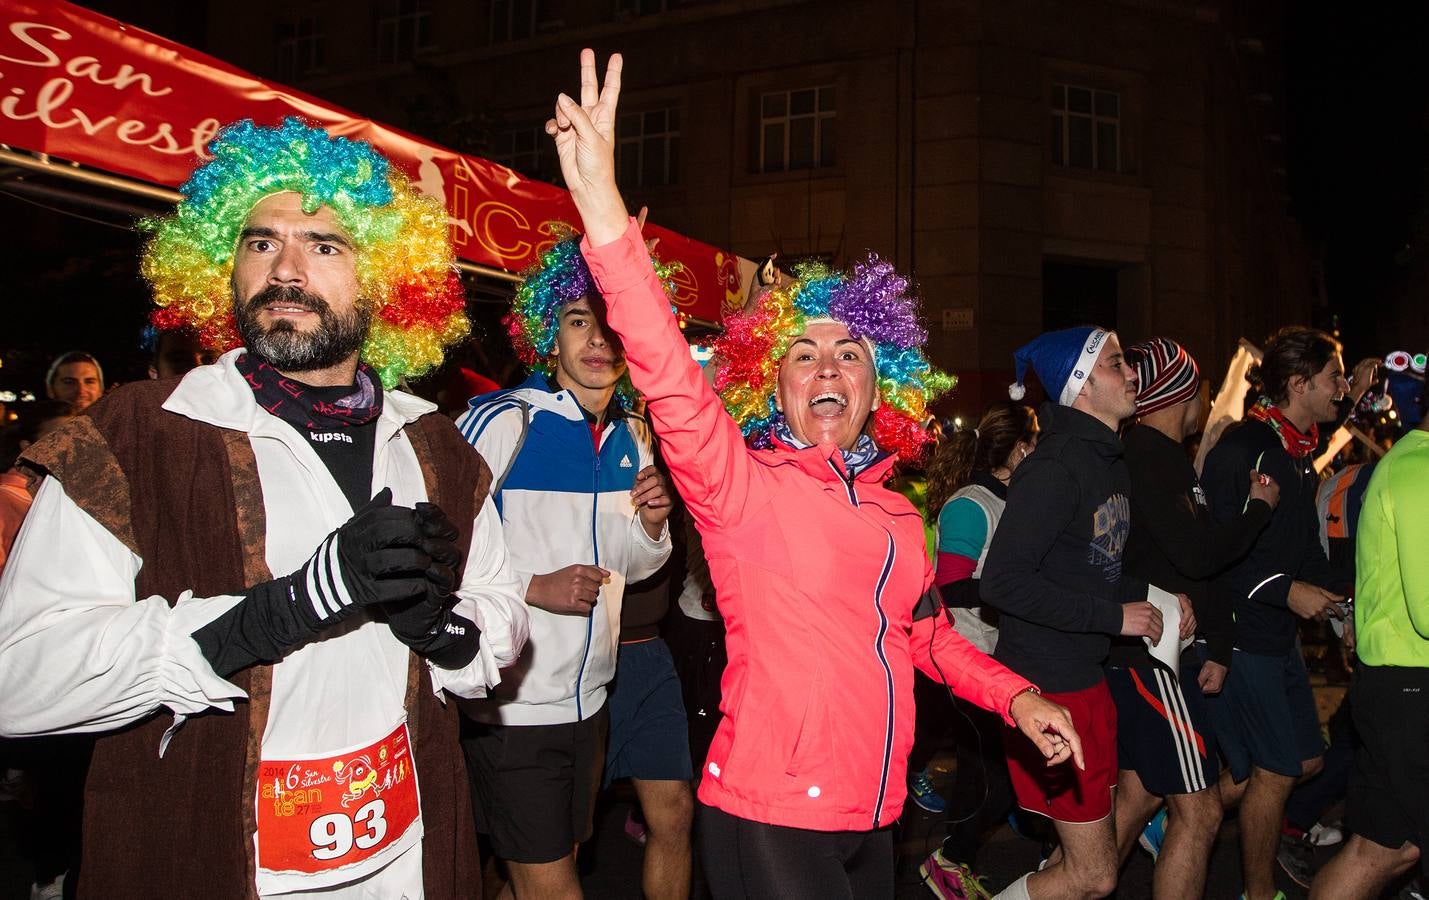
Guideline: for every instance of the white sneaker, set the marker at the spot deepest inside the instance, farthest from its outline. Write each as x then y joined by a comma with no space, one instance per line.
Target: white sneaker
55,890
1325,835
11,784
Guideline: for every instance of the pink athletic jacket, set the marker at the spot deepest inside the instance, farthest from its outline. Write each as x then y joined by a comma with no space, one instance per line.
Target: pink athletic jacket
817,577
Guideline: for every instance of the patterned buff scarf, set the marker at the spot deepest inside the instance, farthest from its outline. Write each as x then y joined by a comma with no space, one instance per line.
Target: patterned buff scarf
295,404
1298,444
864,453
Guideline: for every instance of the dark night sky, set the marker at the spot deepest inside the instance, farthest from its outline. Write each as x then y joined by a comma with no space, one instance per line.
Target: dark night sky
1356,146
1356,158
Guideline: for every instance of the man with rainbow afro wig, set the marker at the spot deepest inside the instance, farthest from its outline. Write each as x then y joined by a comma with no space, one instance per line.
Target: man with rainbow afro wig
585,511
407,283
268,734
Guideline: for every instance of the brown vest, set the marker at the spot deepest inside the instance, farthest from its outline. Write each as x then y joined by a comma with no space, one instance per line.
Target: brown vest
185,497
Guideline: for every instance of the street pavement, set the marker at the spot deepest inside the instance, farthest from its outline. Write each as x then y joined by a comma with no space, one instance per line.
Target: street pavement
610,862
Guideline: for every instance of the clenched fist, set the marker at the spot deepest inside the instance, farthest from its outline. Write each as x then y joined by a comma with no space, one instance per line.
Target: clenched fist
1265,489
571,591
1141,620
1310,602
651,498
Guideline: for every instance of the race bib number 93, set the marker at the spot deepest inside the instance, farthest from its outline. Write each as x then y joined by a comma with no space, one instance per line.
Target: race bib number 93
317,815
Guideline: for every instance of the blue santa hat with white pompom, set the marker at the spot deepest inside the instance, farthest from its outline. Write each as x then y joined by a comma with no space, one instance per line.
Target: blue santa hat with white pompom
1062,360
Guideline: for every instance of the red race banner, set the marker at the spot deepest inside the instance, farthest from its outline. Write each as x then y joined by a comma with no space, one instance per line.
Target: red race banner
92,90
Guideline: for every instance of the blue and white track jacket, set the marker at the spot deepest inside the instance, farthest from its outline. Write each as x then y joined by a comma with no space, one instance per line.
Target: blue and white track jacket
562,504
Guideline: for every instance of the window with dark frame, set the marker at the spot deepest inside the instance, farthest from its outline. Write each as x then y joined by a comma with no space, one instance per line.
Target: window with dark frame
514,20
625,9
1086,128
404,29
647,148
797,129
299,45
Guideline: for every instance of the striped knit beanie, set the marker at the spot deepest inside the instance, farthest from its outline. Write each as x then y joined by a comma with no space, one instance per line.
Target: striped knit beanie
1168,374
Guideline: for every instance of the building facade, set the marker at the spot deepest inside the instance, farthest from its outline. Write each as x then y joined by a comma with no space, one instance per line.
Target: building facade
1033,164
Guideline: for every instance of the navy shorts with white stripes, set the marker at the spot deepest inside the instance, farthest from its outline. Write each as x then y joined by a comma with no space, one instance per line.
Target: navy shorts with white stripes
1163,728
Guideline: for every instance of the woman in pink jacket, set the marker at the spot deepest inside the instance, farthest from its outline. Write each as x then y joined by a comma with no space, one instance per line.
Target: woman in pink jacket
819,569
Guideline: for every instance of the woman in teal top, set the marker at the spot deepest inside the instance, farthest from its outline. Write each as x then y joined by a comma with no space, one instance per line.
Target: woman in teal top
967,487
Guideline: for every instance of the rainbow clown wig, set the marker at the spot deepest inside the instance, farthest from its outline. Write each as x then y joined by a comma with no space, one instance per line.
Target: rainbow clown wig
405,267
877,306
558,277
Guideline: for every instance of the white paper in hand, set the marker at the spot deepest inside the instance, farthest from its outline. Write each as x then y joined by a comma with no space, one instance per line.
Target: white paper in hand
612,596
1167,651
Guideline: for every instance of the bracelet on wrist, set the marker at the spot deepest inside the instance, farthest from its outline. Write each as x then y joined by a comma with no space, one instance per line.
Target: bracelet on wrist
1030,689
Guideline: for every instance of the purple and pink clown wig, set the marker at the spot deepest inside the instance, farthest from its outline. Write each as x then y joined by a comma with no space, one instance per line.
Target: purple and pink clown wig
877,306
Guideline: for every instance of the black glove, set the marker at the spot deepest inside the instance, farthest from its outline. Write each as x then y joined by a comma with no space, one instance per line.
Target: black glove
434,632
427,624
378,556
439,536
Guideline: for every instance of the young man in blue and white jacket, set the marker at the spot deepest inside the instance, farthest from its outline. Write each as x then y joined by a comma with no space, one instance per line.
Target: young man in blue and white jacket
584,512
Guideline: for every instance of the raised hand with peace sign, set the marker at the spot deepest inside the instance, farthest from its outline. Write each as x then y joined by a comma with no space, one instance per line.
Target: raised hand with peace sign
585,144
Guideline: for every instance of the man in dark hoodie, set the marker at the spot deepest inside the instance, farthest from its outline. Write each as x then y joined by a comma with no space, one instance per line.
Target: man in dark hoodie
1054,569
1166,746
1265,717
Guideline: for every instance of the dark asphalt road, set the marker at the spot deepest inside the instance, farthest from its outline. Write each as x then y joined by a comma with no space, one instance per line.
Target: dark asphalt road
611,868
610,863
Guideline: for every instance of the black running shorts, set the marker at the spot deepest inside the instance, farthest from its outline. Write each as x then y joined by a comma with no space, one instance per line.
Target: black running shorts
534,786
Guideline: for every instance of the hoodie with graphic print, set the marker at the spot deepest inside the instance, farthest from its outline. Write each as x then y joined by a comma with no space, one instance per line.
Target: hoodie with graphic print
1055,565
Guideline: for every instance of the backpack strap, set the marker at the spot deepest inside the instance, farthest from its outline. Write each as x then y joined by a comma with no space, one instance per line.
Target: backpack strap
500,481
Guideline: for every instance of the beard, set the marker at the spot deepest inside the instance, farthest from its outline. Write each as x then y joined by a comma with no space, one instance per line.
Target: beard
287,349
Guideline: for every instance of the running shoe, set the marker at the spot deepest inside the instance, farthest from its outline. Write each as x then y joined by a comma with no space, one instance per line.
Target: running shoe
1326,835
1044,856
1154,834
921,787
1297,858
1279,895
1014,821
52,891
635,829
950,880
12,785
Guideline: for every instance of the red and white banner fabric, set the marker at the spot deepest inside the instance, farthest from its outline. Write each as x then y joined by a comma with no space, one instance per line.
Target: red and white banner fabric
92,90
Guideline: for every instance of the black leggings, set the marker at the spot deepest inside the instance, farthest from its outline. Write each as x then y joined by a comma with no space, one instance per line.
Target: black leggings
747,860
981,795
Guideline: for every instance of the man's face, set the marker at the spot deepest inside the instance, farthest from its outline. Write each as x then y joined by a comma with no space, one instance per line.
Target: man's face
1324,390
76,383
1110,390
587,357
295,287
826,386
1194,412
